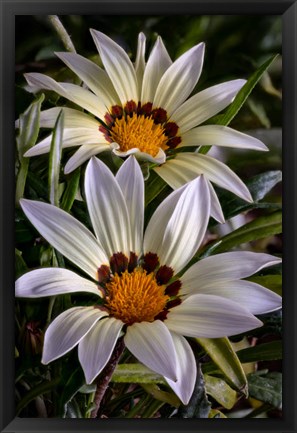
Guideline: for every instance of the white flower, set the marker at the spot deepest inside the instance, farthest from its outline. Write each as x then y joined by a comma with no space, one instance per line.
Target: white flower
146,109
134,275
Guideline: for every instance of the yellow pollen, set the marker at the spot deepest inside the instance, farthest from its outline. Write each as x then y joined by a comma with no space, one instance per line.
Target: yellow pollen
140,132
135,297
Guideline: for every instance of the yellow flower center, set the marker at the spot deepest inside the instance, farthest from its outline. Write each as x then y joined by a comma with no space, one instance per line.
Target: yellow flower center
135,297
140,132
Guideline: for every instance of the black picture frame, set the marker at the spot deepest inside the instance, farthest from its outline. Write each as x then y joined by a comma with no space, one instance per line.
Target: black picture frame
9,9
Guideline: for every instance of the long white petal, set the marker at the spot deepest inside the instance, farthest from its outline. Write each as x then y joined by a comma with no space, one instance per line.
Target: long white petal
179,79
185,368
71,137
66,234
93,76
159,220
151,343
188,165
205,104
66,331
140,61
107,208
82,97
215,207
84,153
226,267
52,282
118,66
160,158
131,182
186,227
95,349
218,135
72,118
158,62
210,317
257,299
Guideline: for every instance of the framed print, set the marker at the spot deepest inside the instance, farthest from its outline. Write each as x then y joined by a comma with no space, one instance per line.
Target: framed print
148,208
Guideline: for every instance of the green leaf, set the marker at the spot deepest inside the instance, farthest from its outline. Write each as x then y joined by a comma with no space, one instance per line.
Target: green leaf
69,390
263,352
55,159
20,264
221,352
28,133
153,186
136,373
266,388
218,389
259,186
214,413
42,388
244,93
198,406
272,282
71,190
259,228
158,394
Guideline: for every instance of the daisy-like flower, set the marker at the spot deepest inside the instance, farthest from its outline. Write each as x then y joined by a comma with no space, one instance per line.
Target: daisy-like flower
145,109
135,276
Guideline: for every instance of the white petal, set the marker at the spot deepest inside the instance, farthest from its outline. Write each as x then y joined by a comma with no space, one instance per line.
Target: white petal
72,118
84,153
210,317
66,331
82,97
93,76
205,104
215,207
52,282
185,368
255,298
95,349
118,66
151,343
158,62
218,135
160,158
131,182
140,61
226,267
186,227
188,165
71,137
159,220
179,79
107,208
66,234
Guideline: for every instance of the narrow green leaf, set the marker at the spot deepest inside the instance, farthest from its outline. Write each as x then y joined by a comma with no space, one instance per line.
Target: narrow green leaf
158,394
272,282
55,159
259,186
20,264
262,352
28,133
136,373
266,388
220,391
259,228
221,352
214,413
153,186
40,389
71,190
244,93
70,388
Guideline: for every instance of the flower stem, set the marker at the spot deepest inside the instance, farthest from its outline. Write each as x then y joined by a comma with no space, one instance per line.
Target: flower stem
60,29
105,376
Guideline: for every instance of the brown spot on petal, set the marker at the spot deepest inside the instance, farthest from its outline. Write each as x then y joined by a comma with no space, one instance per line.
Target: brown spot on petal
133,261
118,263
130,107
159,115
103,273
117,111
173,142
151,261
171,129
164,274
173,288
